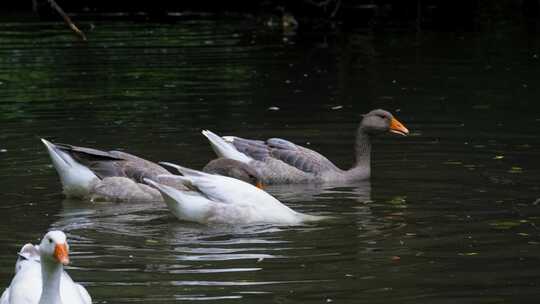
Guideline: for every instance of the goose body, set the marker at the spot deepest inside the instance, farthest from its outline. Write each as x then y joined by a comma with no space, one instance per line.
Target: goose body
40,278
212,198
279,161
119,176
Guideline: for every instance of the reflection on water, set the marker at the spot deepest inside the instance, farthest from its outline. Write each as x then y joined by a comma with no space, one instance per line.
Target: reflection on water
136,245
450,214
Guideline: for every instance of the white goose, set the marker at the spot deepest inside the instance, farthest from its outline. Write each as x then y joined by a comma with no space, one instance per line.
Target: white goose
212,198
41,268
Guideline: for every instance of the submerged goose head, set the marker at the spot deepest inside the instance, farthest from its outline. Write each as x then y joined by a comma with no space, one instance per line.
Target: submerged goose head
381,121
54,248
235,169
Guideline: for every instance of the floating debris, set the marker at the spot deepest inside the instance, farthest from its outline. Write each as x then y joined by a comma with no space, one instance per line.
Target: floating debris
398,200
273,108
515,170
498,157
506,224
481,107
3,150
337,107
452,162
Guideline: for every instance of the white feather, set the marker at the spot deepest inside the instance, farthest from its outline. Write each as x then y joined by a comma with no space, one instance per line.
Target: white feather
25,288
222,199
76,179
225,149
193,207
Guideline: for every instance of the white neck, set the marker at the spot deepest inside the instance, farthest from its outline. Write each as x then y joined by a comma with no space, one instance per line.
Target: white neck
51,272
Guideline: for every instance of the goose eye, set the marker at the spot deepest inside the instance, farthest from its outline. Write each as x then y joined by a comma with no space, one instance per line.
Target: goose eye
50,241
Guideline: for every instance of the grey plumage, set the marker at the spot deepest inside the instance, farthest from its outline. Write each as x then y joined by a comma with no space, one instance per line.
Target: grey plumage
279,161
120,176
114,163
233,168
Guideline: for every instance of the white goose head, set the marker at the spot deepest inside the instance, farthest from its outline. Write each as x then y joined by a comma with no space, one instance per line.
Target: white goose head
54,248
28,253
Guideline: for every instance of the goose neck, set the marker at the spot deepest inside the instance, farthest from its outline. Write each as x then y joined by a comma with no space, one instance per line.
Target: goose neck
51,273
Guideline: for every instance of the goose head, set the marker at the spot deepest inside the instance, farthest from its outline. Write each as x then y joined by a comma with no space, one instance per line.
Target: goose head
381,121
27,253
54,248
245,173
235,169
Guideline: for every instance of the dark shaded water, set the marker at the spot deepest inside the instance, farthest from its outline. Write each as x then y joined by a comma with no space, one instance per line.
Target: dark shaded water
450,215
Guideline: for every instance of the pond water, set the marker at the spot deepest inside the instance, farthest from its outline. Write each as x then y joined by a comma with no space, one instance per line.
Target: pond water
450,215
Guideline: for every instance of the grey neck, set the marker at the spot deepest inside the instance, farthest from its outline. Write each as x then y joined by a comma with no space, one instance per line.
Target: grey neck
362,165
51,273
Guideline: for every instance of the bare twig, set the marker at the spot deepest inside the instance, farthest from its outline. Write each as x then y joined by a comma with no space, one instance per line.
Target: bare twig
319,4
325,4
73,27
336,9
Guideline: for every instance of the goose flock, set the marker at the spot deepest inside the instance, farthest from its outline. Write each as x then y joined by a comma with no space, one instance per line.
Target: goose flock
228,190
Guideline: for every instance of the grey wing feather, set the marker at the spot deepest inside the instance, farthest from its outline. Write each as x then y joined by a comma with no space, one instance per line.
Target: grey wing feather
294,155
88,154
137,168
113,163
256,149
299,157
102,163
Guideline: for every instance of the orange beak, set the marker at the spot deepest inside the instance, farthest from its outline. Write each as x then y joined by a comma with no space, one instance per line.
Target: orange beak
61,253
259,185
397,127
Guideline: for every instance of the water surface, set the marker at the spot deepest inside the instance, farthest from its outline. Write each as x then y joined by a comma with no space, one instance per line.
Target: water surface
450,215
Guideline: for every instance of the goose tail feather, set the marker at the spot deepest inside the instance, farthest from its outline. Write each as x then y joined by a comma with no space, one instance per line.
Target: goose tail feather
185,205
76,178
223,148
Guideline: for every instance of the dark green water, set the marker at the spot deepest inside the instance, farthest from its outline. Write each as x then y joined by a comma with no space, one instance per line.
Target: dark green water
450,216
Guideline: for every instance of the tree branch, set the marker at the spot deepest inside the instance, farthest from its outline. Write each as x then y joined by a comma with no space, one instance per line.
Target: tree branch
73,27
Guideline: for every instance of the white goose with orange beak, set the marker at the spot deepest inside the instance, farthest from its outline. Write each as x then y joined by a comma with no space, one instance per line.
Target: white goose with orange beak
42,279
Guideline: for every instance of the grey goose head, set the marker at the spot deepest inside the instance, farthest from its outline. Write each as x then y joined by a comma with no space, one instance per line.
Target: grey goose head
235,169
380,121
